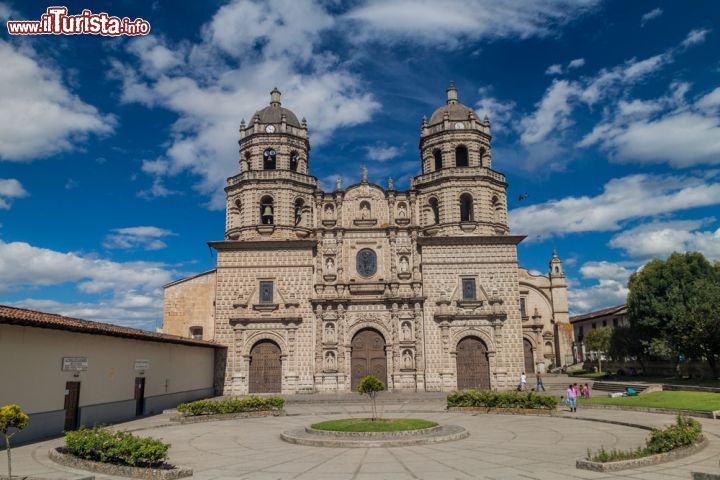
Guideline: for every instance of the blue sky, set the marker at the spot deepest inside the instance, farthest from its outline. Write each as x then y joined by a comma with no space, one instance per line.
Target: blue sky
114,151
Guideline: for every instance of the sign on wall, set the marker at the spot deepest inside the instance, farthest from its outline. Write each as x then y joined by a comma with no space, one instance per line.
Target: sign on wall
74,364
142,364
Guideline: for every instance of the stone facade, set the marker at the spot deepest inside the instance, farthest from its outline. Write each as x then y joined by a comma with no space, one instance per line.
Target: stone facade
307,270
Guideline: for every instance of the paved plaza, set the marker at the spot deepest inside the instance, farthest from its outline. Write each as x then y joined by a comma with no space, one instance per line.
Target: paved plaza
499,447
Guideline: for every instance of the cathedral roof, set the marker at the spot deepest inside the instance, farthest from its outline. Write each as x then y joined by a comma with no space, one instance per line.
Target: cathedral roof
273,113
455,110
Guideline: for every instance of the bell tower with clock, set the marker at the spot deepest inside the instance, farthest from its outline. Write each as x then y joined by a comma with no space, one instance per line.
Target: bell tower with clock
272,196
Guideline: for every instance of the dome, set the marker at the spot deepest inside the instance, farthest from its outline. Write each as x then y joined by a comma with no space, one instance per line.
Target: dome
273,113
456,111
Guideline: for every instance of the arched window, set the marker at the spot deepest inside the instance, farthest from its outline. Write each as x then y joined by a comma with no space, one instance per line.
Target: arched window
496,208
482,157
267,210
461,156
437,156
269,159
466,208
434,210
294,161
299,204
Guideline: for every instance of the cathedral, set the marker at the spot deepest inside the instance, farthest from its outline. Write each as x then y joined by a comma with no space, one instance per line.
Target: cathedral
315,289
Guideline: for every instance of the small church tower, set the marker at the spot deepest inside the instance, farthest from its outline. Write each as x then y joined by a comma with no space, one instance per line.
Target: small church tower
558,295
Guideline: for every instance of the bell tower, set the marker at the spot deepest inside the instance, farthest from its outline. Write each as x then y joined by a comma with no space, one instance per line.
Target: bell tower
272,196
458,191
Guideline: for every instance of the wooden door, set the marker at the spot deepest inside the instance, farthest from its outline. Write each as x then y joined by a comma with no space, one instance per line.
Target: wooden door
72,405
265,368
473,365
139,396
368,357
529,358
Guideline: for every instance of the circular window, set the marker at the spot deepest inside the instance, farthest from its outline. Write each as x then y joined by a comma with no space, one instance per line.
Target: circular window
366,262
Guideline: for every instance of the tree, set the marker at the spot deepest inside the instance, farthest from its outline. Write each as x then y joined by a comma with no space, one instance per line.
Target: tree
11,417
370,386
598,340
674,306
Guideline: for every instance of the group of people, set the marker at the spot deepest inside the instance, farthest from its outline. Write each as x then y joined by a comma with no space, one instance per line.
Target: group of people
573,392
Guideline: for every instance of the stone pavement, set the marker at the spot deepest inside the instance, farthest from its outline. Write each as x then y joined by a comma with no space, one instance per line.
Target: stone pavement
499,447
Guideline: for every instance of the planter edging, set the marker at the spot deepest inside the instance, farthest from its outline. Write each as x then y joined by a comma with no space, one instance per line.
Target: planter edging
69,460
667,411
656,459
182,419
504,410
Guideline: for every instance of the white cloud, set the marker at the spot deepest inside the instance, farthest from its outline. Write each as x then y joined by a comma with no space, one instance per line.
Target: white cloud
271,44
663,130
554,69
654,13
609,287
696,36
498,111
137,237
576,63
660,239
622,199
553,112
450,22
38,114
10,189
382,152
24,265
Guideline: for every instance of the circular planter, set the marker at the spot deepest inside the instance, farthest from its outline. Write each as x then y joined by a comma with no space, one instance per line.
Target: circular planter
72,461
656,459
403,438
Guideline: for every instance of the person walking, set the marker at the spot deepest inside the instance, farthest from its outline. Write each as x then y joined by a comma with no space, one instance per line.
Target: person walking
571,398
539,382
586,391
523,382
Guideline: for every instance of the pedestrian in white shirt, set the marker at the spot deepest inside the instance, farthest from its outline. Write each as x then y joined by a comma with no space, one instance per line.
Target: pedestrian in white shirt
523,382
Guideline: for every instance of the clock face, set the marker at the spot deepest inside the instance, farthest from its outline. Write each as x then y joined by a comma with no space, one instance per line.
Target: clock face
270,129
459,126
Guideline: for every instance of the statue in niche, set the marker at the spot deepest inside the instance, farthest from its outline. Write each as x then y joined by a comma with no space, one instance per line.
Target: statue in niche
329,332
404,265
330,361
402,211
407,360
406,331
330,266
329,212
364,211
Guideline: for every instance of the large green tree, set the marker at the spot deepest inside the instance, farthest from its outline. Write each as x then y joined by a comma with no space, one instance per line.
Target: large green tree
674,308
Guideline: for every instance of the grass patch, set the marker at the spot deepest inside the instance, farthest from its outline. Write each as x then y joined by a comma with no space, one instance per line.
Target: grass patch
368,425
697,401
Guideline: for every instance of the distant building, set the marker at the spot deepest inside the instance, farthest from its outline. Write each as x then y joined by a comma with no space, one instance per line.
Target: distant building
616,316
315,289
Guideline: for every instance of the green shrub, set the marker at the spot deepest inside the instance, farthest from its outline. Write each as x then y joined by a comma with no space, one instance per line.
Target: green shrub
685,432
492,399
100,444
370,385
231,405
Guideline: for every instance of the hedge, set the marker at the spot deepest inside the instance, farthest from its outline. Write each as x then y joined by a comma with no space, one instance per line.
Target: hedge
231,405
685,432
492,399
100,444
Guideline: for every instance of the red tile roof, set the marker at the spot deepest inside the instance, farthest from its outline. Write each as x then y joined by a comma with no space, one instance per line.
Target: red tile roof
616,310
32,318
